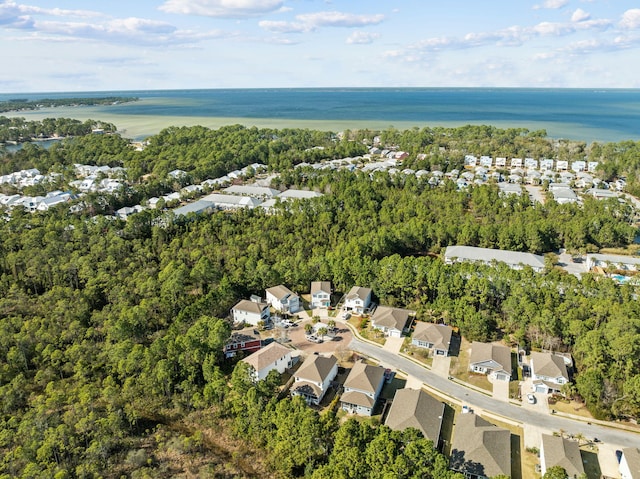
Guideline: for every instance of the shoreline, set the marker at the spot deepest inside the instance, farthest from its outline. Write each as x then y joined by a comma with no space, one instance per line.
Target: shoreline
140,127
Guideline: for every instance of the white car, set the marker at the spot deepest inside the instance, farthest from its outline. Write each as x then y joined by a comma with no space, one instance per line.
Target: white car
531,399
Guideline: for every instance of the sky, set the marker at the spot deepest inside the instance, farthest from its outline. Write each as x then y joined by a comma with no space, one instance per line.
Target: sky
81,45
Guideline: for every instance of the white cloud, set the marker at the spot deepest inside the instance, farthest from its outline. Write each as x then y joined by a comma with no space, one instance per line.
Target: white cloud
631,19
339,19
283,27
309,22
580,15
361,38
552,4
222,8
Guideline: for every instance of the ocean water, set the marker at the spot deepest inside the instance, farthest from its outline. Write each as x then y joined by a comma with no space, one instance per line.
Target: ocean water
580,114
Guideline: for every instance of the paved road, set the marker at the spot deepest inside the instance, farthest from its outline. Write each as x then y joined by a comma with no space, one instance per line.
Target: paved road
610,436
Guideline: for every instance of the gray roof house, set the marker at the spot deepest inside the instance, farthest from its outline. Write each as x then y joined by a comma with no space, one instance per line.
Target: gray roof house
283,299
549,372
357,300
362,388
436,337
314,377
392,321
251,312
415,408
630,463
274,356
320,294
558,451
491,359
251,190
480,449
513,259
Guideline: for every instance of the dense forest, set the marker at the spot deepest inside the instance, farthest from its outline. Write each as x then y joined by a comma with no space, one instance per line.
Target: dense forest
19,130
111,332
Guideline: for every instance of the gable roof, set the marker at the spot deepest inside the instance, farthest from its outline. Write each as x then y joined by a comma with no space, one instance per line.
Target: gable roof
437,334
415,408
251,190
364,377
481,352
267,356
358,292
480,448
548,364
632,456
250,306
391,318
316,369
486,255
280,291
321,287
559,451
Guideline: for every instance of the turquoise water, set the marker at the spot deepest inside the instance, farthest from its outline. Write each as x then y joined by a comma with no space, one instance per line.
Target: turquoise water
582,114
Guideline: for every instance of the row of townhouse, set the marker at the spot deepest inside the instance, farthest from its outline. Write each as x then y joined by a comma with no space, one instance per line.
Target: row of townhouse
36,203
543,164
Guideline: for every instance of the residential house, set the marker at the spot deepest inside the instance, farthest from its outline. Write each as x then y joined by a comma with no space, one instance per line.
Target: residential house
546,164
486,161
501,162
513,259
558,451
299,194
613,261
392,321
251,190
630,463
231,202
415,408
548,372
243,341
251,312
493,360
313,378
436,337
362,388
516,162
283,299
195,207
480,450
358,300
320,294
272,357
176,174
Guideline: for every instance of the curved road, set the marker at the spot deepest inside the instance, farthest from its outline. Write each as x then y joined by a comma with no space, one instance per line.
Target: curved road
612,436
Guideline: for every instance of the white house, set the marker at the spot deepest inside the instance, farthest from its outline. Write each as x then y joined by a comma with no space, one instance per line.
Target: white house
358,299
251,312
320,294
548,372
630,463
272,357
283,299
392,321
314,377
362,388
620,262
513,259
494,360
501,162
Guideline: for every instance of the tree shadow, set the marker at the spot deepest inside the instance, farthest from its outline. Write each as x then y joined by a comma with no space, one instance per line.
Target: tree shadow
458,463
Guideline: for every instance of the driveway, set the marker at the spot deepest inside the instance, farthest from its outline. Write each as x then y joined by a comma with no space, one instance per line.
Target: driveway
393,345
500,389
455,393
339,344
441,365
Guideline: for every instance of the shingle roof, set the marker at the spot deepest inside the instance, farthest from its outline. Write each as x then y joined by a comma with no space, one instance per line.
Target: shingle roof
632,456
437,334
364,377
250,306
249,190
559,451
358,292
266,356
316,368
480,448
550,365
415,408
321,286
244,336
391,318
491,352
357,398
279,291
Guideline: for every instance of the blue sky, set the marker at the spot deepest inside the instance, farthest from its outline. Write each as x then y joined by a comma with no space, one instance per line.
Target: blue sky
74,45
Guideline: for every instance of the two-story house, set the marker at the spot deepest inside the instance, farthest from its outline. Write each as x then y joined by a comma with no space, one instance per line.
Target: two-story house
320,294
262,362
283,299
314,377
251,312
358,299
548,372
362,388
243,341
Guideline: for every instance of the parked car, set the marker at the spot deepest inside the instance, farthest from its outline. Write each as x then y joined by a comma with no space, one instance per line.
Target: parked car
314,339
531,399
